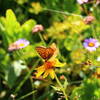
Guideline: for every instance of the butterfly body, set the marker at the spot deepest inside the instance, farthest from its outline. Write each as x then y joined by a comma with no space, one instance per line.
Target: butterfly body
45,53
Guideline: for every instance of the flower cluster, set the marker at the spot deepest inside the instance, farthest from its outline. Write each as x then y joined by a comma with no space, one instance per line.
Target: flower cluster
49,55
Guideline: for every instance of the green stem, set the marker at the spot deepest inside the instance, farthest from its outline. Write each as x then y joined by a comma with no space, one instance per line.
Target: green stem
85,9
4,36
18,54
42,39
93,31
25,78
51,41
63,90
75,82
30,93
22,52
65,13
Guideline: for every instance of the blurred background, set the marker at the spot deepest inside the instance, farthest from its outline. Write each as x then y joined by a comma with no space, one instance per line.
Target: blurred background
63,23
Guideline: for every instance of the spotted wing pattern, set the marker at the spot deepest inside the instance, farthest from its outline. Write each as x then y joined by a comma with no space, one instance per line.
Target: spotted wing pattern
45,53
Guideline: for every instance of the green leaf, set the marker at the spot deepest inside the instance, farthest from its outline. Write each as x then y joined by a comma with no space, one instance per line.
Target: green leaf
18,67
10,16
2,23
72,42
56,88
89,90
26,28
28,52
12,26
65,83
13,72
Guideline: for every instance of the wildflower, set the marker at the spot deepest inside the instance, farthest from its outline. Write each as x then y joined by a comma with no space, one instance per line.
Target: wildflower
62,77
50,62
97,2
21,43
91,44
88,19
82,1
12,47
48,68
37,28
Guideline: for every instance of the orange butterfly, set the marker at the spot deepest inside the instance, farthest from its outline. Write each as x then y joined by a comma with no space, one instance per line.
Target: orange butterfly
45,53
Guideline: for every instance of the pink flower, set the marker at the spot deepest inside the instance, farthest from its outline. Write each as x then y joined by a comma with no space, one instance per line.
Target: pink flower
37,28
97,2
82,1
88,19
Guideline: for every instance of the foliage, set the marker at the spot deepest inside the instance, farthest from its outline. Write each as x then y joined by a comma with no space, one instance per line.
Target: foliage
83,92
64,23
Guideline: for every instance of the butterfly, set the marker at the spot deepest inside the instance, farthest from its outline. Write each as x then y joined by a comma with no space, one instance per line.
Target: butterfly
45,53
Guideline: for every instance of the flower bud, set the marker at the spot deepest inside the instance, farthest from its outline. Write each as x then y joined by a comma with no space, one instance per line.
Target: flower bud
88,19
37,28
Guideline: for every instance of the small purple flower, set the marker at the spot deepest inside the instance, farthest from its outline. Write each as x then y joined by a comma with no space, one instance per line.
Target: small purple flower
21,43
91,44
82,1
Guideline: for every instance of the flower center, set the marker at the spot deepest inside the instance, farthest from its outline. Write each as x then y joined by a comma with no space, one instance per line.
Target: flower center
48,65
91,44
21,44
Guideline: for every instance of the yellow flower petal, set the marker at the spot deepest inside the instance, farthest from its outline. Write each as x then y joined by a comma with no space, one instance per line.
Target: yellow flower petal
58,64
52,73
56,51
40,70
46,74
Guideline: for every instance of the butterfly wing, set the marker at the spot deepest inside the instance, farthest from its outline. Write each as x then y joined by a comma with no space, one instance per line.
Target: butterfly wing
49,52
45,53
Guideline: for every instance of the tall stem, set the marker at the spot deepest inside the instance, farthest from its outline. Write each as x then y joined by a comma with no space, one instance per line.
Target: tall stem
61,12
25,78
42,39
30,93
93,31
63,90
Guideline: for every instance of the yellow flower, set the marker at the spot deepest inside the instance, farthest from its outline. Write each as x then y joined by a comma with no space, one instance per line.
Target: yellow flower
35,8
49,64
48,68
